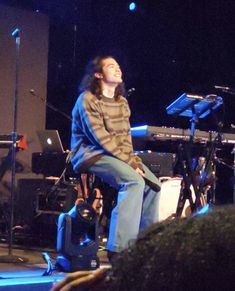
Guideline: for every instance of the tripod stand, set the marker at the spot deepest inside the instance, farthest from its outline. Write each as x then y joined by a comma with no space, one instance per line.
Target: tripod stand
10,258
195,107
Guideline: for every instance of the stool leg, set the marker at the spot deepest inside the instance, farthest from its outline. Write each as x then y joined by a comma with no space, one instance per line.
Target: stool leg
84,194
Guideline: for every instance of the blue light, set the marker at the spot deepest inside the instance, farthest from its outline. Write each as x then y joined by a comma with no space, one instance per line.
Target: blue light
132,6
203,210
33,281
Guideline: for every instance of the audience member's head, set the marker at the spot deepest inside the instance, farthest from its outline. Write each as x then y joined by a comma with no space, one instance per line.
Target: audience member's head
197,253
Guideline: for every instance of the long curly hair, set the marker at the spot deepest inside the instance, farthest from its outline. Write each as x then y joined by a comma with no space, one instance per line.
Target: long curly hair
93,84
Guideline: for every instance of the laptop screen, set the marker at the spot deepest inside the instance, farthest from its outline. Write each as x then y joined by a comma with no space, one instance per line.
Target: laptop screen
50,141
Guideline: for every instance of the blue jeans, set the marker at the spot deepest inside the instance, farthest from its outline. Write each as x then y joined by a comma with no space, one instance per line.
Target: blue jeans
137,203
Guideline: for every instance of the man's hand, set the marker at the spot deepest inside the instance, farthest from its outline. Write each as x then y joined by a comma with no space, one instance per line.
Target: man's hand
81,280
140,172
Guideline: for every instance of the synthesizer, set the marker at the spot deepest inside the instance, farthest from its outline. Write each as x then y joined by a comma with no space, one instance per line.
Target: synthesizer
158,133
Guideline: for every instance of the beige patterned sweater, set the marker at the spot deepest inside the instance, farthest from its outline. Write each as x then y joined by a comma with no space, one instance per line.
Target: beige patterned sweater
101,126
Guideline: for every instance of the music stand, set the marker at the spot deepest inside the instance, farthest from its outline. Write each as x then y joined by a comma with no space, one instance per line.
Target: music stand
193,107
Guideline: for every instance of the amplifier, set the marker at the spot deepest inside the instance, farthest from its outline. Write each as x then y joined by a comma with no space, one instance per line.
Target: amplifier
55,199
161,164
42,196
38,206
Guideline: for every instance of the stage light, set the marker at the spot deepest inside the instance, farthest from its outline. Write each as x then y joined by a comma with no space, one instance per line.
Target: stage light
132,6
203,210
77,239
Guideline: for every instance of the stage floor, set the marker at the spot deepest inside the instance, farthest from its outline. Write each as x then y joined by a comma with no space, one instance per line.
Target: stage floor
29,275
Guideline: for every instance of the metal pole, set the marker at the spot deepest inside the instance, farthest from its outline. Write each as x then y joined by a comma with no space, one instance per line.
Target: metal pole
16,34
10,258
233,152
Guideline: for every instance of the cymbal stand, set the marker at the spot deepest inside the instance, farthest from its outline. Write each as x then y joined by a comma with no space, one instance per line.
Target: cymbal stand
230,91
220,161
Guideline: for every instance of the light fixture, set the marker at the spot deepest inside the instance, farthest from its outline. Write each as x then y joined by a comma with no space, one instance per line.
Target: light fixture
132,6
77,239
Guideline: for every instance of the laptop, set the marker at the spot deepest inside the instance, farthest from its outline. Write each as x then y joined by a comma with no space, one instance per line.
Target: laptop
50,141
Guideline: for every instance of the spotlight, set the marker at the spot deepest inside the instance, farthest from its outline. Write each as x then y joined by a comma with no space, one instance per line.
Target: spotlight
77,239
132,6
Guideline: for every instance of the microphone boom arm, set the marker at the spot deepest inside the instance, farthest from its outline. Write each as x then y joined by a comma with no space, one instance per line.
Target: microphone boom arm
49,105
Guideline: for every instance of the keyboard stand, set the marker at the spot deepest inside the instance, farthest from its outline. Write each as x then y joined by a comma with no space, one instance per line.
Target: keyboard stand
194,107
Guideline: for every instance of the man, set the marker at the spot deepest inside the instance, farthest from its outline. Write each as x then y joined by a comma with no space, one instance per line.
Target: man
101,144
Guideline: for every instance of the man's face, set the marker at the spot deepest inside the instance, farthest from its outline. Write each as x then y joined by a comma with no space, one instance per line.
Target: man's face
111,72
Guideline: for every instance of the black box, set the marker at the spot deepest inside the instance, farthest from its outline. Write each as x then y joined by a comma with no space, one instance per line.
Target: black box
161,164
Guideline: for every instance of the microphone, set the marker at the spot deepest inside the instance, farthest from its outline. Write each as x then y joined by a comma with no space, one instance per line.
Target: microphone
222,88
130,91
32,92
15,33
228,90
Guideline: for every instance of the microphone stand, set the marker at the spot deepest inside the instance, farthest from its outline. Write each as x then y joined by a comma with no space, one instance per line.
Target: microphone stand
233,152
49,105
230,91
10,258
